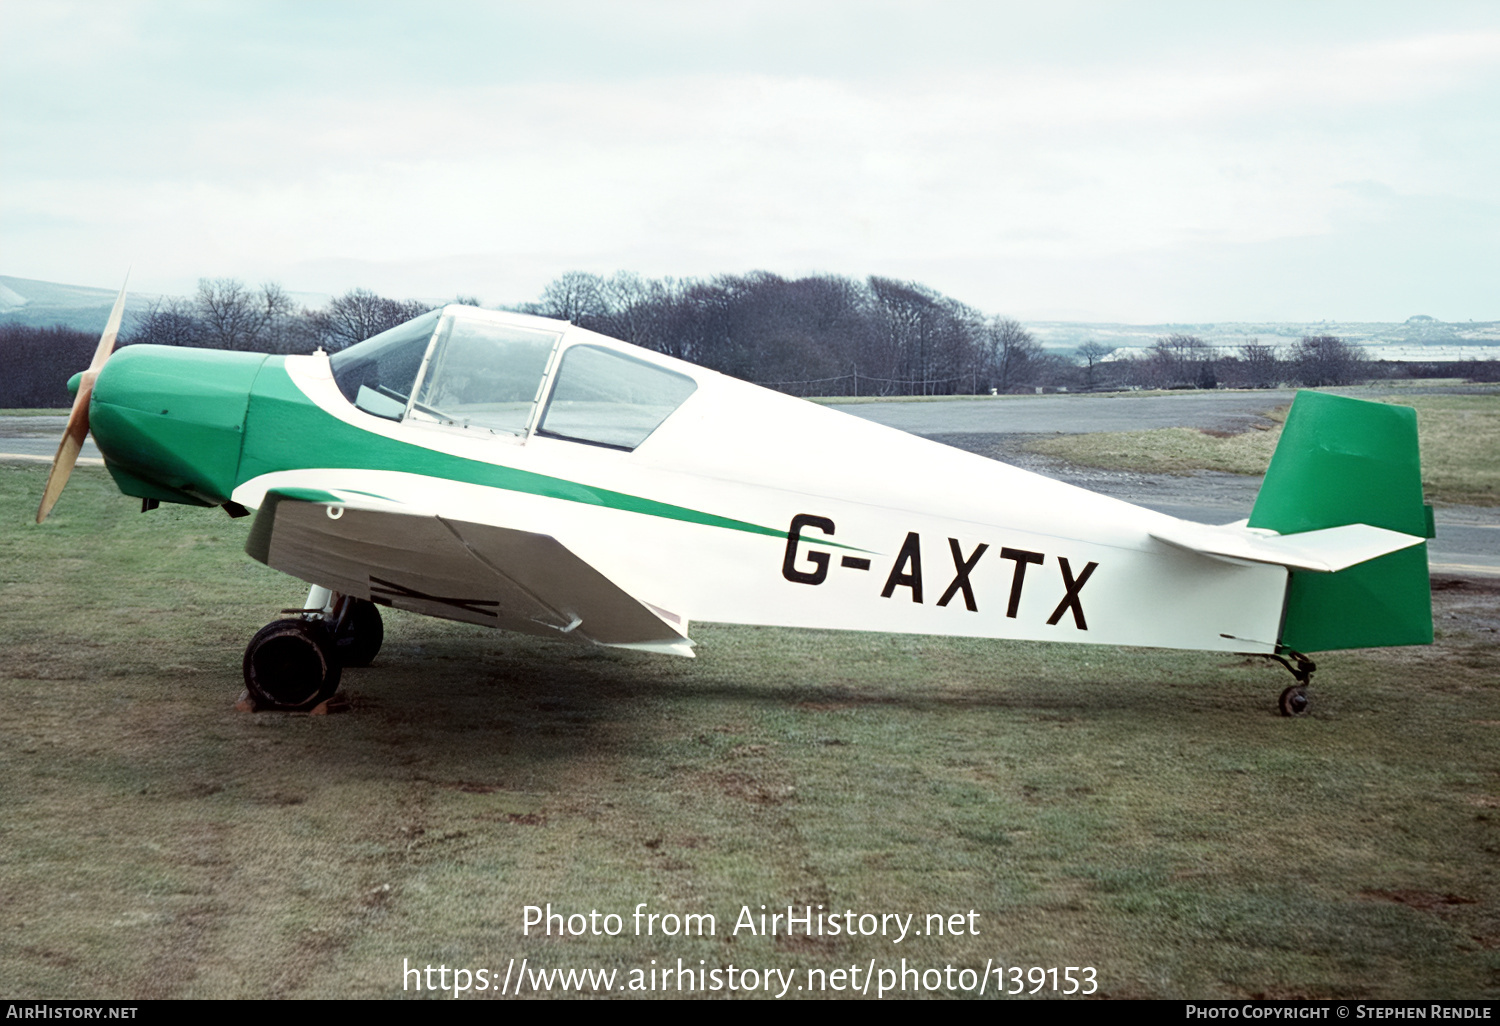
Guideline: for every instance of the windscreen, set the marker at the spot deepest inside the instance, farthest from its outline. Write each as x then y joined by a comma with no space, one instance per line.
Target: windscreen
377,374
484,375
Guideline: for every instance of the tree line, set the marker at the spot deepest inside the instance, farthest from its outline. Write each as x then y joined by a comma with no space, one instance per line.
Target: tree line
1186,361
226,314
821,335
833,336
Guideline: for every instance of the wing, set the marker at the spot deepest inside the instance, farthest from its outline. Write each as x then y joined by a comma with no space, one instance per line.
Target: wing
430,564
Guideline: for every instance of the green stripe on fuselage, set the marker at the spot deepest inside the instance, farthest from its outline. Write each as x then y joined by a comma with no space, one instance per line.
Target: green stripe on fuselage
285,430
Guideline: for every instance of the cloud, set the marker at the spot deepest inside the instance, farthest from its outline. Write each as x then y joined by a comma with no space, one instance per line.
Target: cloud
205,168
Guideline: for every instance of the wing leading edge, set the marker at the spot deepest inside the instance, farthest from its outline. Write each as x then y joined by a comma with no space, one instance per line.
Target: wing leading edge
478,573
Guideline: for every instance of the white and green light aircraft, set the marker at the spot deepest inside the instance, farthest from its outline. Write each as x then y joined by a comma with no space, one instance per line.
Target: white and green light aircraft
528,474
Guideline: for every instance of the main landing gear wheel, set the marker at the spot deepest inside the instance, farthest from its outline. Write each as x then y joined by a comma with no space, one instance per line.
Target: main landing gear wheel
357,637
1293,701
291,665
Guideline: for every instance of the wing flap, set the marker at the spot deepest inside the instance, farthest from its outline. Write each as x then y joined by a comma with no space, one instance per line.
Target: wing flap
478,573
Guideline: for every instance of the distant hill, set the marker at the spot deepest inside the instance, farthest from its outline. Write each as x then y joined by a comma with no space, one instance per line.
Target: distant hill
1415,331
19,292
41,304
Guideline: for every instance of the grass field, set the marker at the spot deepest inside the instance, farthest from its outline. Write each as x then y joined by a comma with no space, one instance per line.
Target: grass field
1144,813
1459,437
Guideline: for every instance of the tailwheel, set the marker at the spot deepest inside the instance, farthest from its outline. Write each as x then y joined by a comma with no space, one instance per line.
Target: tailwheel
357,632
291,665
1293,701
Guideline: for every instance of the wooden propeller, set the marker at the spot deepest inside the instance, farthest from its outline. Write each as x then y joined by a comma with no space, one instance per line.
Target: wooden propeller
78,418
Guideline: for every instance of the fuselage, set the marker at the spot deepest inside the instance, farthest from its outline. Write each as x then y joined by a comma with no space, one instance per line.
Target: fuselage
743,505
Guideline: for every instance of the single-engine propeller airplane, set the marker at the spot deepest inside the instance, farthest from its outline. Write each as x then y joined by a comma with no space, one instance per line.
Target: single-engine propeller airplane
528,474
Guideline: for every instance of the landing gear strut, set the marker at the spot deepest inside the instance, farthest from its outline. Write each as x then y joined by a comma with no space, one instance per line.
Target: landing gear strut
295,664
1294,700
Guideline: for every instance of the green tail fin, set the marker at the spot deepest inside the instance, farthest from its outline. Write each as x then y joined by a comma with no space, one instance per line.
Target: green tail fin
1346,461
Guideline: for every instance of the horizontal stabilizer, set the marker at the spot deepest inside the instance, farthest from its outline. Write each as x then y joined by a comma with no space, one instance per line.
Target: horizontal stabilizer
1326,551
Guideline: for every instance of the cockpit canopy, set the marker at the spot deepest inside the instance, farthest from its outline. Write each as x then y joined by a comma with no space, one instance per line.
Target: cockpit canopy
490,372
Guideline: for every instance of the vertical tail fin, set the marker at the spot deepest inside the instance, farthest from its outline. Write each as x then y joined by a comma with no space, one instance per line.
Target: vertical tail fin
1346,461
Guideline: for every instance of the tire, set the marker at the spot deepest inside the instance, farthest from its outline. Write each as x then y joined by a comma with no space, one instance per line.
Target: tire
290,665
1293,701
359,641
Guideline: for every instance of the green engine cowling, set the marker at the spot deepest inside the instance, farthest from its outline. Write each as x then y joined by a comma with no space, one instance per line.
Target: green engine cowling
170,421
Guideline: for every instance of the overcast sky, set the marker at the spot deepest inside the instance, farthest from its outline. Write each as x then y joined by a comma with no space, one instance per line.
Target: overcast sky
1140,162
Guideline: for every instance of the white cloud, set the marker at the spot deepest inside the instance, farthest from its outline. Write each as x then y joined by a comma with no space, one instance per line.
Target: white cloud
696,172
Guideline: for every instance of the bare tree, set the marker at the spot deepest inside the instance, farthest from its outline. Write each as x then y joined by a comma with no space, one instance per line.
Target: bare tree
232,317
360,314
166,322
572,297
1091,353
1181,361
909,314
1011,352
825,334
224,314
1325,360
285,328
1258,365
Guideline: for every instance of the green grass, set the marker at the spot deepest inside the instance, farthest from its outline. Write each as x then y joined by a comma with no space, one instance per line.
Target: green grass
1459,438
1164,450
1142,812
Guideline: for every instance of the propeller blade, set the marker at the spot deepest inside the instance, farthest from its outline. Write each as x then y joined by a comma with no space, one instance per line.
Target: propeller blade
78,418
111,330
67,455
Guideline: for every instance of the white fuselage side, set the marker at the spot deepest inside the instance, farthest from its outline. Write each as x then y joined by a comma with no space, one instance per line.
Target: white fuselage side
891,525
